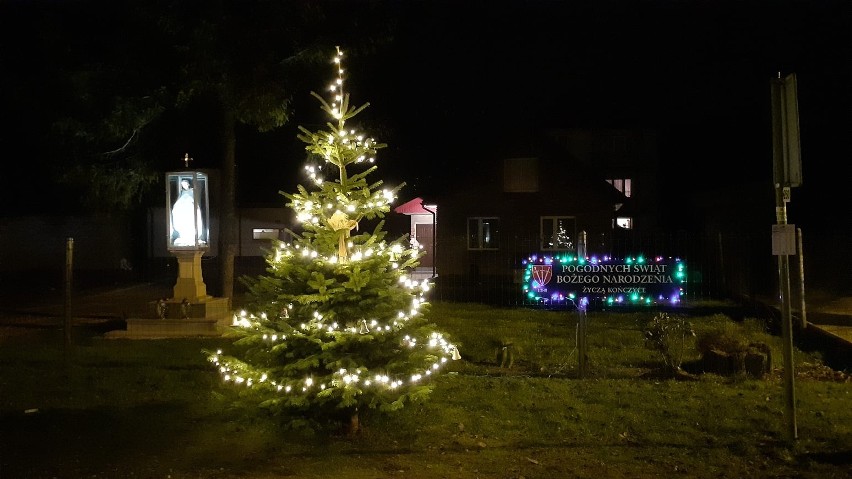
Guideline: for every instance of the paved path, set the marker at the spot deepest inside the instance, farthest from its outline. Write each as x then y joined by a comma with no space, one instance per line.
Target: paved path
833,318
121,301
842,333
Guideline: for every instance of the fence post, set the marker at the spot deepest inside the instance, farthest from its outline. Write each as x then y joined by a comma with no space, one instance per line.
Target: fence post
581,338
69,267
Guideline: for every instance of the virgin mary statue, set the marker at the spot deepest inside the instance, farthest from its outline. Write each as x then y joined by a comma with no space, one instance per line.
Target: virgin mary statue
186,217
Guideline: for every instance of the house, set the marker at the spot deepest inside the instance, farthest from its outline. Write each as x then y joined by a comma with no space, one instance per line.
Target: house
423,222
256,227
552,193
625,158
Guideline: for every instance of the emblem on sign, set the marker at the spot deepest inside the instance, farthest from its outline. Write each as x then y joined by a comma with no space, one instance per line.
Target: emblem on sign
542,273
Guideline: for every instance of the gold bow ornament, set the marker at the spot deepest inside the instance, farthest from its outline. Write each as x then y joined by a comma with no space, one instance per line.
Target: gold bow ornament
341,224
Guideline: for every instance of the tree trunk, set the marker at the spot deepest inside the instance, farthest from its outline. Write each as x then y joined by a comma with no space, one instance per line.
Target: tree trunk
354,426
228,219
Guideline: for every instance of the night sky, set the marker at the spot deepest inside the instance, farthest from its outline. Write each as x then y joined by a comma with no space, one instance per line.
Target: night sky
696,72
460,77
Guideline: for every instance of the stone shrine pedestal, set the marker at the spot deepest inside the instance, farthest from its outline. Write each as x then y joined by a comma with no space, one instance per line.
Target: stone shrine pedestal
190,284
191,312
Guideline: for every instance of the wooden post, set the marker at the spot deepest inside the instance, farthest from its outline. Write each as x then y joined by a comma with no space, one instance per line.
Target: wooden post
69,267
581,339
581,307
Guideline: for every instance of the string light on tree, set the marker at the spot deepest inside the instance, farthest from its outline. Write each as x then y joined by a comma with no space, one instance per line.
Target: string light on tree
337,323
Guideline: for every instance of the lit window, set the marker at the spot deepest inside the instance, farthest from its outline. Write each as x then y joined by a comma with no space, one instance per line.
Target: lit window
482,233
624,222
558,232
623,185
264,233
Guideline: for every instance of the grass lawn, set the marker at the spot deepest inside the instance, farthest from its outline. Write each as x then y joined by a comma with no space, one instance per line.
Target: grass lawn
155,408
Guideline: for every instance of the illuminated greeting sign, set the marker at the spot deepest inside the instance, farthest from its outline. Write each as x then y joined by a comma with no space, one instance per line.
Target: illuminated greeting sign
631,280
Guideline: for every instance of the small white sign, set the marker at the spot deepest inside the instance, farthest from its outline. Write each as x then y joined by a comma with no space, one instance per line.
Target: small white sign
783,240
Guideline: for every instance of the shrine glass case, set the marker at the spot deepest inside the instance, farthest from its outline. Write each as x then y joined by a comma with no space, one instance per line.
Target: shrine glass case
187,210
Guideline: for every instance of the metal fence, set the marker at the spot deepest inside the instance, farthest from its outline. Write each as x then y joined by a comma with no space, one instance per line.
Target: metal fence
736,265
719,265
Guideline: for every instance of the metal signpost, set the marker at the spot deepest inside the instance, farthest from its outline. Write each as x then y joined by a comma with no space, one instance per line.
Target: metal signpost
787,173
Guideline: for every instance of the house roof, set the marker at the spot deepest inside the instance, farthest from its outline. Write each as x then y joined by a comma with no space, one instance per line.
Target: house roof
413,207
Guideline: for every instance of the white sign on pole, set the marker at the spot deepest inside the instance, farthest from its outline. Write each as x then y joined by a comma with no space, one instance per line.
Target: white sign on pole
783,240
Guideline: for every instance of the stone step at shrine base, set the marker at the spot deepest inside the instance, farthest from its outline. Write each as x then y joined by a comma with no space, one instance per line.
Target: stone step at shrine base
203,317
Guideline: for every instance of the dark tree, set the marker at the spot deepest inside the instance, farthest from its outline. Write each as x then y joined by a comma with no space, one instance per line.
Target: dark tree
128,80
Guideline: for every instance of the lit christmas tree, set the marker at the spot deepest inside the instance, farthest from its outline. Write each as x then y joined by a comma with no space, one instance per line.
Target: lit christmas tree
337,324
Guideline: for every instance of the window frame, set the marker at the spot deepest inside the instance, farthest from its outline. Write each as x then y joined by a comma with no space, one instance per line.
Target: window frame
479,233
265,233
617,222
543,239
624,185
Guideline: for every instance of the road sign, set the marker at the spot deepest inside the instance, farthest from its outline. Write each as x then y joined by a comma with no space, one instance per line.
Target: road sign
783,240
